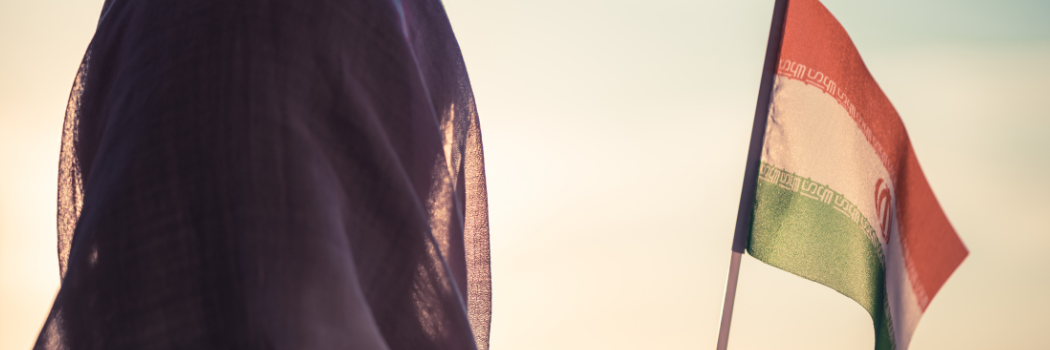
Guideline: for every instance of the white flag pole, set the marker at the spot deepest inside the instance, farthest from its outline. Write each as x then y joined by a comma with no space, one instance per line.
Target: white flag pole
754,156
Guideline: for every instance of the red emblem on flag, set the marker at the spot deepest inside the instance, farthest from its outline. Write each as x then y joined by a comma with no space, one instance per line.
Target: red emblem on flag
882,207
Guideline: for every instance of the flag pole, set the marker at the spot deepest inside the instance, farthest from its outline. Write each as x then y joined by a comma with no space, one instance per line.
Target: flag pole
754,156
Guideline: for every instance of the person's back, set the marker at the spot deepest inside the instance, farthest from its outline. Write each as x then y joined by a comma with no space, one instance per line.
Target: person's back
274,175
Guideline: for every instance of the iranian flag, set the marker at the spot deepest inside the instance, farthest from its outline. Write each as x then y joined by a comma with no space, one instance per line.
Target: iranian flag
840,198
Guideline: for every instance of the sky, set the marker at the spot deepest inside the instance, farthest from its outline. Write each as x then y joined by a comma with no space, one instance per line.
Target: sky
615,138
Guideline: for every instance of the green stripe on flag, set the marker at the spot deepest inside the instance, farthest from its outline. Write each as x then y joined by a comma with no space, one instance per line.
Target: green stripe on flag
806,228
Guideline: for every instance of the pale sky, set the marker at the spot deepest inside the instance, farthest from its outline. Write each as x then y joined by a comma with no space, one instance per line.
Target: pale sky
615,135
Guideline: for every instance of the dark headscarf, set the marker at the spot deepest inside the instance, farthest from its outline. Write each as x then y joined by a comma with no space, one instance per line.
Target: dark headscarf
272,174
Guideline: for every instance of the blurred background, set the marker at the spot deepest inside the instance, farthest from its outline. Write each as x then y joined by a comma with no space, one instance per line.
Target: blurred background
615,136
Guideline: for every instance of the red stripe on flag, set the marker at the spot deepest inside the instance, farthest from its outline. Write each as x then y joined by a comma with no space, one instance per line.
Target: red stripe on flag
816,49
932,249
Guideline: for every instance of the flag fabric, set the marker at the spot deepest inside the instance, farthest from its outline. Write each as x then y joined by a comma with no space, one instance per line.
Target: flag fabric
840,197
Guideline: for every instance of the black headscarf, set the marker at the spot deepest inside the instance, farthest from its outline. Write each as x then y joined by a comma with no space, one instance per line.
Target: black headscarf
272,174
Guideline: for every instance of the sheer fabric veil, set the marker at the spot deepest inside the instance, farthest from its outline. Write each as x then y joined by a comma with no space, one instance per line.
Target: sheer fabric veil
272,174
